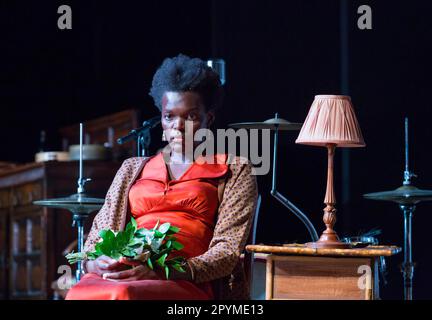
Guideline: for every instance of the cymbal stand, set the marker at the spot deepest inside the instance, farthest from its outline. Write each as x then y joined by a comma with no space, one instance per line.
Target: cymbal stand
309,226
79,216
407,267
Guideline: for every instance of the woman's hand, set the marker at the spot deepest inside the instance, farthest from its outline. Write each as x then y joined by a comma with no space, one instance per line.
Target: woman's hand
104,264
139,271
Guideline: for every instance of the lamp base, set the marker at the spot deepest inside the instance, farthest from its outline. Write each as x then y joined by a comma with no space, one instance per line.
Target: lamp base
328,245
328,240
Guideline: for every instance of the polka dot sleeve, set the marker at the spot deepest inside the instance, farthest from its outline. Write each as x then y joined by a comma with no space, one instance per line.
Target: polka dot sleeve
233,224
112,215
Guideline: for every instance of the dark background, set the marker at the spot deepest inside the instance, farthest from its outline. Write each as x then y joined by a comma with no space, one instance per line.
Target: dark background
279,54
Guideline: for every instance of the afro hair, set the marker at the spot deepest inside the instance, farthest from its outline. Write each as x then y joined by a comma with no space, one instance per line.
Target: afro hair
182,73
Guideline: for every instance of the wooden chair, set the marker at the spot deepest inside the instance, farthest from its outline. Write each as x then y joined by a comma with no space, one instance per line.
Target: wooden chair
248,257
246,262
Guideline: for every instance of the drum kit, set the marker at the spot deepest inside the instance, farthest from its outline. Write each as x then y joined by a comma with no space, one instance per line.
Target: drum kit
407,197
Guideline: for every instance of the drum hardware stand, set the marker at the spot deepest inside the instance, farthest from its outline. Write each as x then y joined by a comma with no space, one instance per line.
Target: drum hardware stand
407,196
278,124
79,204
407,267
80,216
276,194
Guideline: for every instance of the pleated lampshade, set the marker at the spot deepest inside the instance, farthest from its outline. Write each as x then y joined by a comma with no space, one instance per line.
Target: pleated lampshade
331,120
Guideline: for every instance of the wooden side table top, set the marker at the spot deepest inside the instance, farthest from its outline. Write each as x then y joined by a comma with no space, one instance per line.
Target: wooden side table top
301,249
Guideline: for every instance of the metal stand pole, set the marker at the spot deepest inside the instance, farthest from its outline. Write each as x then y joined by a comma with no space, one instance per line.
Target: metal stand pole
309,226
143,143
78,222
139,146
407,267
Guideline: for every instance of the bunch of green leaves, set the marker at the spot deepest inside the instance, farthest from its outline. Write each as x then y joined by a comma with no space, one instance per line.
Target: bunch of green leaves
150,246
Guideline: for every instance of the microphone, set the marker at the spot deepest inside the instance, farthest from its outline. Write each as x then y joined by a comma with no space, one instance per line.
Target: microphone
147,125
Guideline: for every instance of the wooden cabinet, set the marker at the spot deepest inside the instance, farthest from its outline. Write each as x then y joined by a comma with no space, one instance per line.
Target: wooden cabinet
32,238
4,214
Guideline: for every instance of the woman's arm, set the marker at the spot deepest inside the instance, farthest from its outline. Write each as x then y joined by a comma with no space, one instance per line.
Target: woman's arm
103,219
232,228
113,211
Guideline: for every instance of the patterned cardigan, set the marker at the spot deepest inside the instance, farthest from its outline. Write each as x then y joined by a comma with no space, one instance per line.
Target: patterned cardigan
220,264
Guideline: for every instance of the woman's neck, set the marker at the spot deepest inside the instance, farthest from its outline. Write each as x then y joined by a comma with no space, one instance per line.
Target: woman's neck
181,158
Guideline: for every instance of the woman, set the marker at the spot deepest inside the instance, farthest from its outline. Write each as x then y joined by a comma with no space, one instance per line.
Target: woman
212,202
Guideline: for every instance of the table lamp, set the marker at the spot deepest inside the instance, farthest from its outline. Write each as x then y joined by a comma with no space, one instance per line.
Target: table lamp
330,123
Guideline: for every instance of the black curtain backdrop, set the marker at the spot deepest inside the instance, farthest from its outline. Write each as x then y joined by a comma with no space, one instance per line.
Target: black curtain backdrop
279,54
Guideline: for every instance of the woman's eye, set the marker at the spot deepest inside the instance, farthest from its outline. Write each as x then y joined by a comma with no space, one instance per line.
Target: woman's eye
192,117
167,117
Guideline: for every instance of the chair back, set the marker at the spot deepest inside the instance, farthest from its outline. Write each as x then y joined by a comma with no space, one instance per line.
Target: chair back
249,256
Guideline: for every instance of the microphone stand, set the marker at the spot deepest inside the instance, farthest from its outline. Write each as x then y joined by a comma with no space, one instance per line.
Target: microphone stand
143,143
141,136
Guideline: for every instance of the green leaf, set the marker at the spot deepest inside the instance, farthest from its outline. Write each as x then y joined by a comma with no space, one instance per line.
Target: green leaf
158,234
128,253
173,229
164,227
149,239
168,244
167,272
107,235
161,253
155,244
108,242
103,233
150,264
131,228
121,240
135,241
178,267
105,248
142,233
135,245
76,257
177,245
134,223
161,260
98,249
116,255
93,255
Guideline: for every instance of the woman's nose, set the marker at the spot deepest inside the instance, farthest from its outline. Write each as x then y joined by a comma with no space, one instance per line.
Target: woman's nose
179,124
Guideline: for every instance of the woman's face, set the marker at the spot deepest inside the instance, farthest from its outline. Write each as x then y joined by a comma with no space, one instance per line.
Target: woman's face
177,108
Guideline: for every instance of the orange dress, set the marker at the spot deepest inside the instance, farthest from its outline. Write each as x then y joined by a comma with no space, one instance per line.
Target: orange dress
190,203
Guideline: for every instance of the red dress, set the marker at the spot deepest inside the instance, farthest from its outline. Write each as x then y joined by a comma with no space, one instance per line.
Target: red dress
190,203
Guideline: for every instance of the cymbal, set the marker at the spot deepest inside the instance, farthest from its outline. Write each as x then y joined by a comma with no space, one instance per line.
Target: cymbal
403,195
76,203
272,124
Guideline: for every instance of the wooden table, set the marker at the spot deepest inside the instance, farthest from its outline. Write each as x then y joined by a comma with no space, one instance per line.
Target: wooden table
297,272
